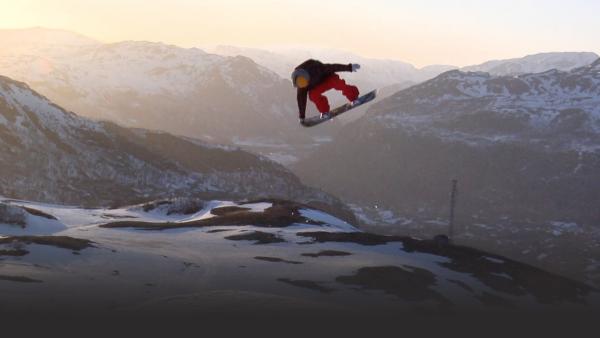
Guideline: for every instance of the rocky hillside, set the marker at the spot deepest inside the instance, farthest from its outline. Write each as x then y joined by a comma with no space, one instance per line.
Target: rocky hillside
266,259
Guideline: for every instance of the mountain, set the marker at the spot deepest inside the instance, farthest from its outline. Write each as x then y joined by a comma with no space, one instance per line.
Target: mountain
253,259
536,63
157,86
49,154
525,150
188,92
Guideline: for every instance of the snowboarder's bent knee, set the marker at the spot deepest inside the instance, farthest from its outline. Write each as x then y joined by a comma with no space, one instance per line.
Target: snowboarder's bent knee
313,78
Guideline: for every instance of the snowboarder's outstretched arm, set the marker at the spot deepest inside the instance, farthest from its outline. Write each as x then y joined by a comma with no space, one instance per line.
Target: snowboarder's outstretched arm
302,95
336,67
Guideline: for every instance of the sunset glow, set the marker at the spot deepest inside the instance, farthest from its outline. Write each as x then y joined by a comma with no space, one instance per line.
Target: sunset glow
419,32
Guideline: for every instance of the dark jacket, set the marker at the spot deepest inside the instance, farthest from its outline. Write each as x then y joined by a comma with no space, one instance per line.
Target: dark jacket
318,72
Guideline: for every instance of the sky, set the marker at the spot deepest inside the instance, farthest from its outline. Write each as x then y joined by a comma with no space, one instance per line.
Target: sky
423,32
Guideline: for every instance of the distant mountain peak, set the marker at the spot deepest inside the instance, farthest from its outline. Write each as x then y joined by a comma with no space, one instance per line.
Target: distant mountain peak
536,63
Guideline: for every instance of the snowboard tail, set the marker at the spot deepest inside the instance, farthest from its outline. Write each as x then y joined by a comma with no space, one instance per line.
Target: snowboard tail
315,120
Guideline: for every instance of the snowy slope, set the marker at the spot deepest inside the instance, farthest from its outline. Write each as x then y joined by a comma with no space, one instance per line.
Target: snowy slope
247,258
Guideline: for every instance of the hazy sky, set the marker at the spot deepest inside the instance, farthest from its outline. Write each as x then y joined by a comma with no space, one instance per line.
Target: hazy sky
421,32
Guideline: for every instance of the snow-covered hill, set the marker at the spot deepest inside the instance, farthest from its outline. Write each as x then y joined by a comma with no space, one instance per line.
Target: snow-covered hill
48,154
252,258
535,63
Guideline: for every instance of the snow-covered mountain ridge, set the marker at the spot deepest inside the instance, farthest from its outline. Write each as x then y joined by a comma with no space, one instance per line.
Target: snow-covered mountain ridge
536,63
556,109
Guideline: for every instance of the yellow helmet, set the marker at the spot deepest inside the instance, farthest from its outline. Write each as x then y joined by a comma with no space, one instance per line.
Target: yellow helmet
300,78
301,82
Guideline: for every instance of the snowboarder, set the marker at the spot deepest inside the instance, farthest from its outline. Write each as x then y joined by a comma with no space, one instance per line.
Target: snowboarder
313,78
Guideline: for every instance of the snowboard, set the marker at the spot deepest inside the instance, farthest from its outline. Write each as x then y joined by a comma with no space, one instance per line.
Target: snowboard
315,120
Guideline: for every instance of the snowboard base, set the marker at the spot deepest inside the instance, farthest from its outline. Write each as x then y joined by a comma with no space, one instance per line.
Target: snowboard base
315,120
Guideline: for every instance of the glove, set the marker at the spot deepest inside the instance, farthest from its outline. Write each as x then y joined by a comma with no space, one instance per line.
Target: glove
355,67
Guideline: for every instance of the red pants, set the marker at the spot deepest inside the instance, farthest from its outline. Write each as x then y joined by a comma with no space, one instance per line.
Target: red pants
331,82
